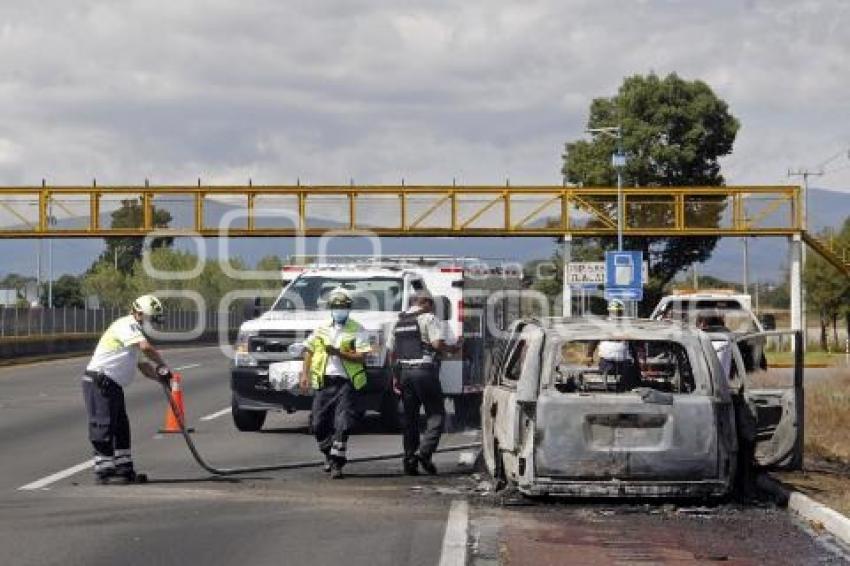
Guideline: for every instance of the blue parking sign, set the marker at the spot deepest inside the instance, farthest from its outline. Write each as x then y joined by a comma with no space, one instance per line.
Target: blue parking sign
624,275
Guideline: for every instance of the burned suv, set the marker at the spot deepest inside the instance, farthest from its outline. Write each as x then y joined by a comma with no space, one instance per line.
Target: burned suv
658,422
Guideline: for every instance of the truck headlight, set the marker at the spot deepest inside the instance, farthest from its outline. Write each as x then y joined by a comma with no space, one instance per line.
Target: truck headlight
242,356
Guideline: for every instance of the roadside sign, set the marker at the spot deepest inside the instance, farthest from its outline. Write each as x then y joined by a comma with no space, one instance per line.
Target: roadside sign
592,273
586,273
624,294
623,279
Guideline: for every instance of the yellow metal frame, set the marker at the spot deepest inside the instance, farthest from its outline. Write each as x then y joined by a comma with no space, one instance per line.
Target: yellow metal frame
587,201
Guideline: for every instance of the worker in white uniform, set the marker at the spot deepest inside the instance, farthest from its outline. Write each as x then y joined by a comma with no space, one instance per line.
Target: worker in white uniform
616,357
111,369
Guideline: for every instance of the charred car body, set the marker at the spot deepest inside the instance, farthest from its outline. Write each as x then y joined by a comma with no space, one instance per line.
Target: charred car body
558,422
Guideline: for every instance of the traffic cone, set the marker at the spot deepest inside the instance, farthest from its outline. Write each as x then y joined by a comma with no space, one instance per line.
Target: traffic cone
172,425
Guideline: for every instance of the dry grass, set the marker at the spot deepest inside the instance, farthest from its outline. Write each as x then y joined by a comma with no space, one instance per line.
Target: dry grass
828,417
823,482
826,476
813,359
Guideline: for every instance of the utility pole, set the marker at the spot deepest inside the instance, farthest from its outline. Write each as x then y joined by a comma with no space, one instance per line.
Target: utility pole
618,161
805,174
746,265
51,221
38,272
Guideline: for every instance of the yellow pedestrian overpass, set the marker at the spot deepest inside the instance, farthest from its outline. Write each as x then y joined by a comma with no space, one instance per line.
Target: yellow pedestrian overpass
423,210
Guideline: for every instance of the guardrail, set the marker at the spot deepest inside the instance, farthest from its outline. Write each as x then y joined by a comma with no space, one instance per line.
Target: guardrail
18,322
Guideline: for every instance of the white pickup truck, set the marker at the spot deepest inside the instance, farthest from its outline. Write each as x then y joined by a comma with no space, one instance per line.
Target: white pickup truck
379,293
732,309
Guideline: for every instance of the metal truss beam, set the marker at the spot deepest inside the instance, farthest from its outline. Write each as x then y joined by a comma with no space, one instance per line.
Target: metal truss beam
86,212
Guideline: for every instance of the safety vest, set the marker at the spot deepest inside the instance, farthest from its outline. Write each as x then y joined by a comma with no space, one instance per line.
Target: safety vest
355,371
408,337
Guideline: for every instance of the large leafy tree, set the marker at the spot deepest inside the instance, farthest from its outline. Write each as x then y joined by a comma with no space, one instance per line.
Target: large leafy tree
67,292
674,132
123,252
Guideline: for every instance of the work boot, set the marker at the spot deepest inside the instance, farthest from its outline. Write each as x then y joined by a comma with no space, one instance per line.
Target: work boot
102,478
427,464
411,466
336,472
125,476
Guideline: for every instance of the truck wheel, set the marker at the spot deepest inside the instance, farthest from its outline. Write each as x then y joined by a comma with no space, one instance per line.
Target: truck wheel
247,421
389,413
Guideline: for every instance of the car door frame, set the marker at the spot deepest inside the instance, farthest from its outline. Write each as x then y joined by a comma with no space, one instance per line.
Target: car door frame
500,399
791,459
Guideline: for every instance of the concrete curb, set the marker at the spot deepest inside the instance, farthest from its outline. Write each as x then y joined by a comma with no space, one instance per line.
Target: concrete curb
834,522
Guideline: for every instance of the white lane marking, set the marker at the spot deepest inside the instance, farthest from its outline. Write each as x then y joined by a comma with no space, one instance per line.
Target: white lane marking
454,548
216,414
188,366
53,478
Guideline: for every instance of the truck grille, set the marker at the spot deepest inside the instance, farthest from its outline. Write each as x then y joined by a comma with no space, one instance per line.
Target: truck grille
275,341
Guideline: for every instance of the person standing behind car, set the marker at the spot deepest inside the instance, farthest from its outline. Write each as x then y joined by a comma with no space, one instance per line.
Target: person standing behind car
415,345
333,367
616,357
745,414
112,368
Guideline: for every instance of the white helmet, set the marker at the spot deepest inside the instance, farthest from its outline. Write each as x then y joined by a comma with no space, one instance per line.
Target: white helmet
149,306
339,298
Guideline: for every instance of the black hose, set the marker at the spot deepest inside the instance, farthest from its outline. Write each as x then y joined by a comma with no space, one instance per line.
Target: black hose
287,466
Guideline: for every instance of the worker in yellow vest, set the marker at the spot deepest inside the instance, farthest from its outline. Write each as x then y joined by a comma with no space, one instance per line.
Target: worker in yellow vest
333,367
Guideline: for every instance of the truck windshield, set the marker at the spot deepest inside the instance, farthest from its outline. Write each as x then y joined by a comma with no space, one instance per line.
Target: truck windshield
713,318
310,293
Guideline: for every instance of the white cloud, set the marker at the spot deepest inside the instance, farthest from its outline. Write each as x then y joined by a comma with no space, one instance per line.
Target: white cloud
428,91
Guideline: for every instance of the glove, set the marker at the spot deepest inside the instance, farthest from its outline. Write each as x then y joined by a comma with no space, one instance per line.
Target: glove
163,372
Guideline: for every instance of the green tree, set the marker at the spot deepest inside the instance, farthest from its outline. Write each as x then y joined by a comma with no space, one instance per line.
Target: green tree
828,290
212,283
123,251
16,282
674,132
68,292
110,285
270,263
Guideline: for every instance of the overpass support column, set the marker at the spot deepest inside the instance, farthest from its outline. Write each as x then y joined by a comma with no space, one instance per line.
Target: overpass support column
566,290
796,285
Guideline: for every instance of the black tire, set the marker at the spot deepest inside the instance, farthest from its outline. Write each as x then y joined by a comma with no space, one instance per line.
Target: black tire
389,412
245,420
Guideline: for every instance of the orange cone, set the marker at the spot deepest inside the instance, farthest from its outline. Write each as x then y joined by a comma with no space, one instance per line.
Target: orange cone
172,424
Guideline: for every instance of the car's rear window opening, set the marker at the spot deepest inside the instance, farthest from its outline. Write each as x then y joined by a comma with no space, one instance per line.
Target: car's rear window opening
618,366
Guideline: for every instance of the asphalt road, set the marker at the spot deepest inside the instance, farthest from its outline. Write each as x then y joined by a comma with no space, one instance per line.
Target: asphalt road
375,515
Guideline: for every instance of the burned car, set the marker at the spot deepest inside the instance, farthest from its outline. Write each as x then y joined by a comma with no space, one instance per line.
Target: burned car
559,418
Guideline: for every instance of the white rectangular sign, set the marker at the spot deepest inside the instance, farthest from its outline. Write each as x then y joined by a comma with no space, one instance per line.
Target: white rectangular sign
593,273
